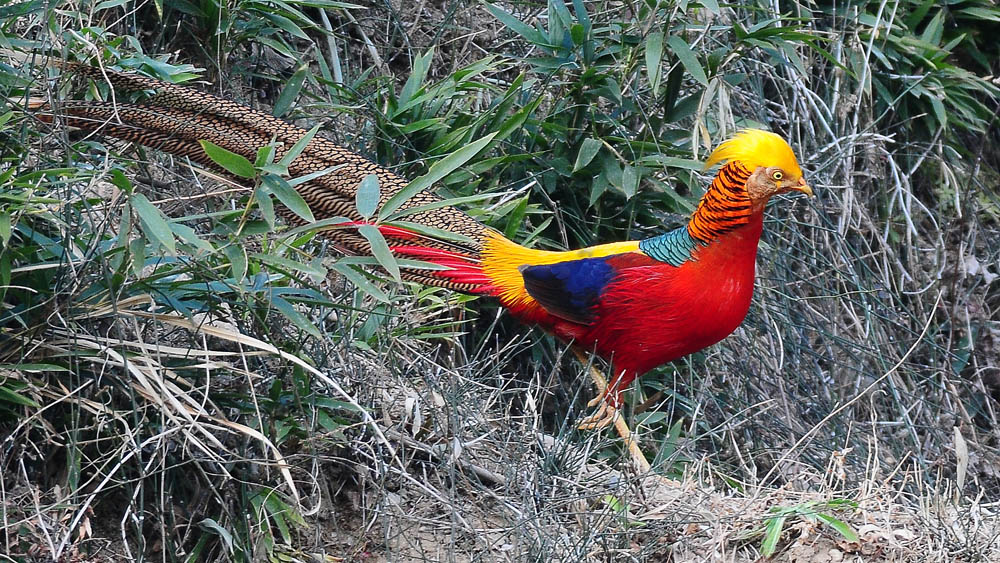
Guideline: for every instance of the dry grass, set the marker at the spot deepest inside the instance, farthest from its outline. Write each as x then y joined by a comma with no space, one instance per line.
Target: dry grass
448,469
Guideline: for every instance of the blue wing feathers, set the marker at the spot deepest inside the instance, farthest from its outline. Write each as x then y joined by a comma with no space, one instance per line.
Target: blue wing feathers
571,289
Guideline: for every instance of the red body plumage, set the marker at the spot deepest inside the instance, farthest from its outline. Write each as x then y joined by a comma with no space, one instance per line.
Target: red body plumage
642,304
653,312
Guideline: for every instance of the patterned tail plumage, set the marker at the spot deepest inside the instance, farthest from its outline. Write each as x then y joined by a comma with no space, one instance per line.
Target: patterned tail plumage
175,118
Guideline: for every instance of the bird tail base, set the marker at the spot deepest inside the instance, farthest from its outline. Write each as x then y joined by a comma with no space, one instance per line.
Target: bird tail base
458,268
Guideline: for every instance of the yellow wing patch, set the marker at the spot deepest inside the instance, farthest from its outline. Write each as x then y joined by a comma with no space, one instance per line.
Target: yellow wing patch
502,258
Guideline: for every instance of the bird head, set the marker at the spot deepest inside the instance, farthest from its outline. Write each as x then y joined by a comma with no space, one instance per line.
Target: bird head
774,169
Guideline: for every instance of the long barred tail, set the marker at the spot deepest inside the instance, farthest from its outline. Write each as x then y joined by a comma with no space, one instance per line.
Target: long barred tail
175,118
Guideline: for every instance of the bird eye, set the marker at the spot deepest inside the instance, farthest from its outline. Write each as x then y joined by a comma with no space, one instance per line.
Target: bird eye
777,175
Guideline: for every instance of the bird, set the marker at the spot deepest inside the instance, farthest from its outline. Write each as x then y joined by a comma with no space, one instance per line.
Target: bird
637,304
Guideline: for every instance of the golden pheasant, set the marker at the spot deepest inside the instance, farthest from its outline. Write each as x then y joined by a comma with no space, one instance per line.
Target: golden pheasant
637,304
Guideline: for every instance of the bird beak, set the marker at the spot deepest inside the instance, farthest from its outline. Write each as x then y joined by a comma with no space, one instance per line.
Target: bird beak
803,187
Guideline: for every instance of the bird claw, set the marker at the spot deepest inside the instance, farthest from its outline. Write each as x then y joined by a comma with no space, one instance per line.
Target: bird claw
603,418
605,414
596,401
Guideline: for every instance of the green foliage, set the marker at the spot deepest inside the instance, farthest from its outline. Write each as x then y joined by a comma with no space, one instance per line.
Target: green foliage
226,27
622,512
812,511
271,512
910,64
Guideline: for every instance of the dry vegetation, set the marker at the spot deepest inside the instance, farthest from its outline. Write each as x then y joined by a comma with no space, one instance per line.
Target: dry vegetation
155,408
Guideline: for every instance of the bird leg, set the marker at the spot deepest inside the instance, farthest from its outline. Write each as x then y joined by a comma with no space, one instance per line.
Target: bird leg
606,414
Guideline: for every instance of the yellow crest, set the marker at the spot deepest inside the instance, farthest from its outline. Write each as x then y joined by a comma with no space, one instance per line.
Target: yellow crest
753,148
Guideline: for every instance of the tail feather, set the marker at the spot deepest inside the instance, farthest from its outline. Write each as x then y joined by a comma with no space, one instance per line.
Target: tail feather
195,115
462,269
175,118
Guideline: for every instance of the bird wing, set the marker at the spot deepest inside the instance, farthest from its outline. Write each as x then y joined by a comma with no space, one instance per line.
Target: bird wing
572,289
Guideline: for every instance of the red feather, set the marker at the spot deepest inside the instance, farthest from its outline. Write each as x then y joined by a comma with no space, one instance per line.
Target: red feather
653,313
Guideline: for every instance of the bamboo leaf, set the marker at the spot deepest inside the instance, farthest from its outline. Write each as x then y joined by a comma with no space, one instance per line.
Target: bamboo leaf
137,250
210,525
264,203
360,281
711,5
296,318
313,175
439,204
842,527
154,223
10,396
630,181
432,232
417,76
237,261
286,264
380,250
772,535
368,195
297,149
517,26
438,170
290,92
588,150
233,163
515,218
5,228
36,368
687,58
287,195
265,155
321,225
654,58
188,235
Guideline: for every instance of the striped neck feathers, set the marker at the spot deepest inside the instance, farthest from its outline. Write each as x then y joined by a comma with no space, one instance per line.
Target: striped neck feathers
724,207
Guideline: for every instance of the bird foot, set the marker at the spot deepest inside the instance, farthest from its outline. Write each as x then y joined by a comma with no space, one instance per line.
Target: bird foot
599,399
603,418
